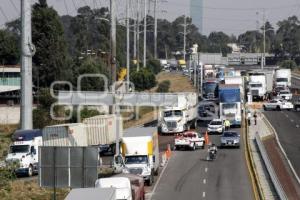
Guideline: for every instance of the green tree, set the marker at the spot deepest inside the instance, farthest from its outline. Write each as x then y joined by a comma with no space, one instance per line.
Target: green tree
51,61
154,66
288,64
143,79
9,51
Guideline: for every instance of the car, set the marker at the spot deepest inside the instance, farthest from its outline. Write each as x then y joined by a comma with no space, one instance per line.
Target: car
216,126
278,104
230,139
189,139
285,94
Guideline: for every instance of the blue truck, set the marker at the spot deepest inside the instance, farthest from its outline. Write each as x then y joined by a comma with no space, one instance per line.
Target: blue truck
230,103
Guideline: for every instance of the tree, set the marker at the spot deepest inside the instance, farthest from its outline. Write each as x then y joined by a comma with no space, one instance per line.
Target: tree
143,79
163,86
252,41
288,64
9,51
51,61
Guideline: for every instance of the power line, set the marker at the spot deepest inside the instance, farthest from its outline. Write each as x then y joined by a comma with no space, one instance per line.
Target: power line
3,14
14,5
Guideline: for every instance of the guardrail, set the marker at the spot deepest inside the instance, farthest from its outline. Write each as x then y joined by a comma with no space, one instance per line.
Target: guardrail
270,169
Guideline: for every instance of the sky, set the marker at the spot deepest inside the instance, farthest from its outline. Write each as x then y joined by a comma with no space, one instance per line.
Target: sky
229,16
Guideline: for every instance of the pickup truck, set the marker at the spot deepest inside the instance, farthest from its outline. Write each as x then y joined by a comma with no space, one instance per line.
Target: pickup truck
191,140
285,94
278,104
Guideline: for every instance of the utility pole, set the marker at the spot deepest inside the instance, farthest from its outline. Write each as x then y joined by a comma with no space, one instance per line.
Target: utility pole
138,36
26,68
145,32
264,45
134,37
155,29
128,43
113,40
184,37
115,108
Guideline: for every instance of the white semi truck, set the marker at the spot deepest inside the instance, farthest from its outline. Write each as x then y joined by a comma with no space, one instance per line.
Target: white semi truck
24,151
257,85
140,153
180,118
283,78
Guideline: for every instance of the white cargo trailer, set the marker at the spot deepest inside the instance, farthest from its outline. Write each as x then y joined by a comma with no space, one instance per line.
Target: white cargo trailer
102,129
65,135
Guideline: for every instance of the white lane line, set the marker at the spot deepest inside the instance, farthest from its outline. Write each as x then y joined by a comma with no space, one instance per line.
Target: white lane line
297,126
287,116
203,194
204,181
161,174
206,169
292,120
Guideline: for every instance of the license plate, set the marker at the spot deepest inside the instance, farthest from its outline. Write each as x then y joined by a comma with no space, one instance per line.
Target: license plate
230,143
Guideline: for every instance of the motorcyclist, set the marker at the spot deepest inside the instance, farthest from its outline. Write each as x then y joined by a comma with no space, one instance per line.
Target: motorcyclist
212,151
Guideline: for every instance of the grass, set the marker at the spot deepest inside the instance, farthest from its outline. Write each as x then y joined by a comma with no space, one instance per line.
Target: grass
6,132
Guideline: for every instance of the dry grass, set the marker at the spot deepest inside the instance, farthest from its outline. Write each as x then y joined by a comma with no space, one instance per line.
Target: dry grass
29,190
6,132
179,82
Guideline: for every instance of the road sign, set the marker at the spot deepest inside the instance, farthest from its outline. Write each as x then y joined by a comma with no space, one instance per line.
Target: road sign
107,98
74,167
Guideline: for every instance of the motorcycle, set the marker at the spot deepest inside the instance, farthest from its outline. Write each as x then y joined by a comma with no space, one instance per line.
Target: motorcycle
212,154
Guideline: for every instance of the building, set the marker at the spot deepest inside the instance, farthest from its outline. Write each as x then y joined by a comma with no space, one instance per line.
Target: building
10,84
196,13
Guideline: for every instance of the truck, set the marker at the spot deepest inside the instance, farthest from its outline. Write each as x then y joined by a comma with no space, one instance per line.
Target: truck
24,151
283,77
230,103
140,152
94,131
296,102
121,184
92,194
181,117
257,85
101,130
210,89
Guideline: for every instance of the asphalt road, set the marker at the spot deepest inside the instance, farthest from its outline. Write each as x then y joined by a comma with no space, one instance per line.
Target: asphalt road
287,126
189,175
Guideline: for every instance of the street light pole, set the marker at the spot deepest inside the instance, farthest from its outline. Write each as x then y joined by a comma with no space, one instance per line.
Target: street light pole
138,36
184,38
145,32
155,29
264,42
128,43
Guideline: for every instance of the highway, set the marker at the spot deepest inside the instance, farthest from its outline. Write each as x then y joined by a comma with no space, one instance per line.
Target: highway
189,176
287,126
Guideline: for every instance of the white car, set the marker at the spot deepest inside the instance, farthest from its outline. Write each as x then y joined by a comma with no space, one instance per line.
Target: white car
190,139
285,94
278,104
216,126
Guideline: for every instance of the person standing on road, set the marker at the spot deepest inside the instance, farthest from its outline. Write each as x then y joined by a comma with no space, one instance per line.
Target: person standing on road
227,124
249,118
255,117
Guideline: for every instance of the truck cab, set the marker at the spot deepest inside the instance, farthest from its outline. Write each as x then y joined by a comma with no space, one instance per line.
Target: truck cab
257,90
24,151
173,120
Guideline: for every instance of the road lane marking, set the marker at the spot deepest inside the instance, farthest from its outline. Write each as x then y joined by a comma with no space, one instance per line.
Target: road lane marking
206,169
203,194
292,120
204,181
287,116
161,174
297,126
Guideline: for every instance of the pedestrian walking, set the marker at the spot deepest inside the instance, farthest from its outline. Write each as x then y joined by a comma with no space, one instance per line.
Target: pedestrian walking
255,118
227,124
249,118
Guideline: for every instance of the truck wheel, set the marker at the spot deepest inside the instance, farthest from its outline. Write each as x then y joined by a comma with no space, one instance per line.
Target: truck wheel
150,181
30,171
194,147
278,108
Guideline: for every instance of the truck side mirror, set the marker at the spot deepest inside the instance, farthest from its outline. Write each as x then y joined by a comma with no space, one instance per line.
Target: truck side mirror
32,151
153,158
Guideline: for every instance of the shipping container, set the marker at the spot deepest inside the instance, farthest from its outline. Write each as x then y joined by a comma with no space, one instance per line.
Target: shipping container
65,135
102,129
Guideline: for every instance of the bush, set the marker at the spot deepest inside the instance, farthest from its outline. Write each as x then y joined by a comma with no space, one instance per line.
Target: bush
143,79
163,86
7,174
288,64
154,66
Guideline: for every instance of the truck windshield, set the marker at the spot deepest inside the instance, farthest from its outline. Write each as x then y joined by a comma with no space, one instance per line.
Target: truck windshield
19,149
173,113
256,85
281,80
210,87
136,160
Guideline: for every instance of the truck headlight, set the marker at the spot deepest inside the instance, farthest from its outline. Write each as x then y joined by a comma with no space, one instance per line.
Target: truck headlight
126,170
